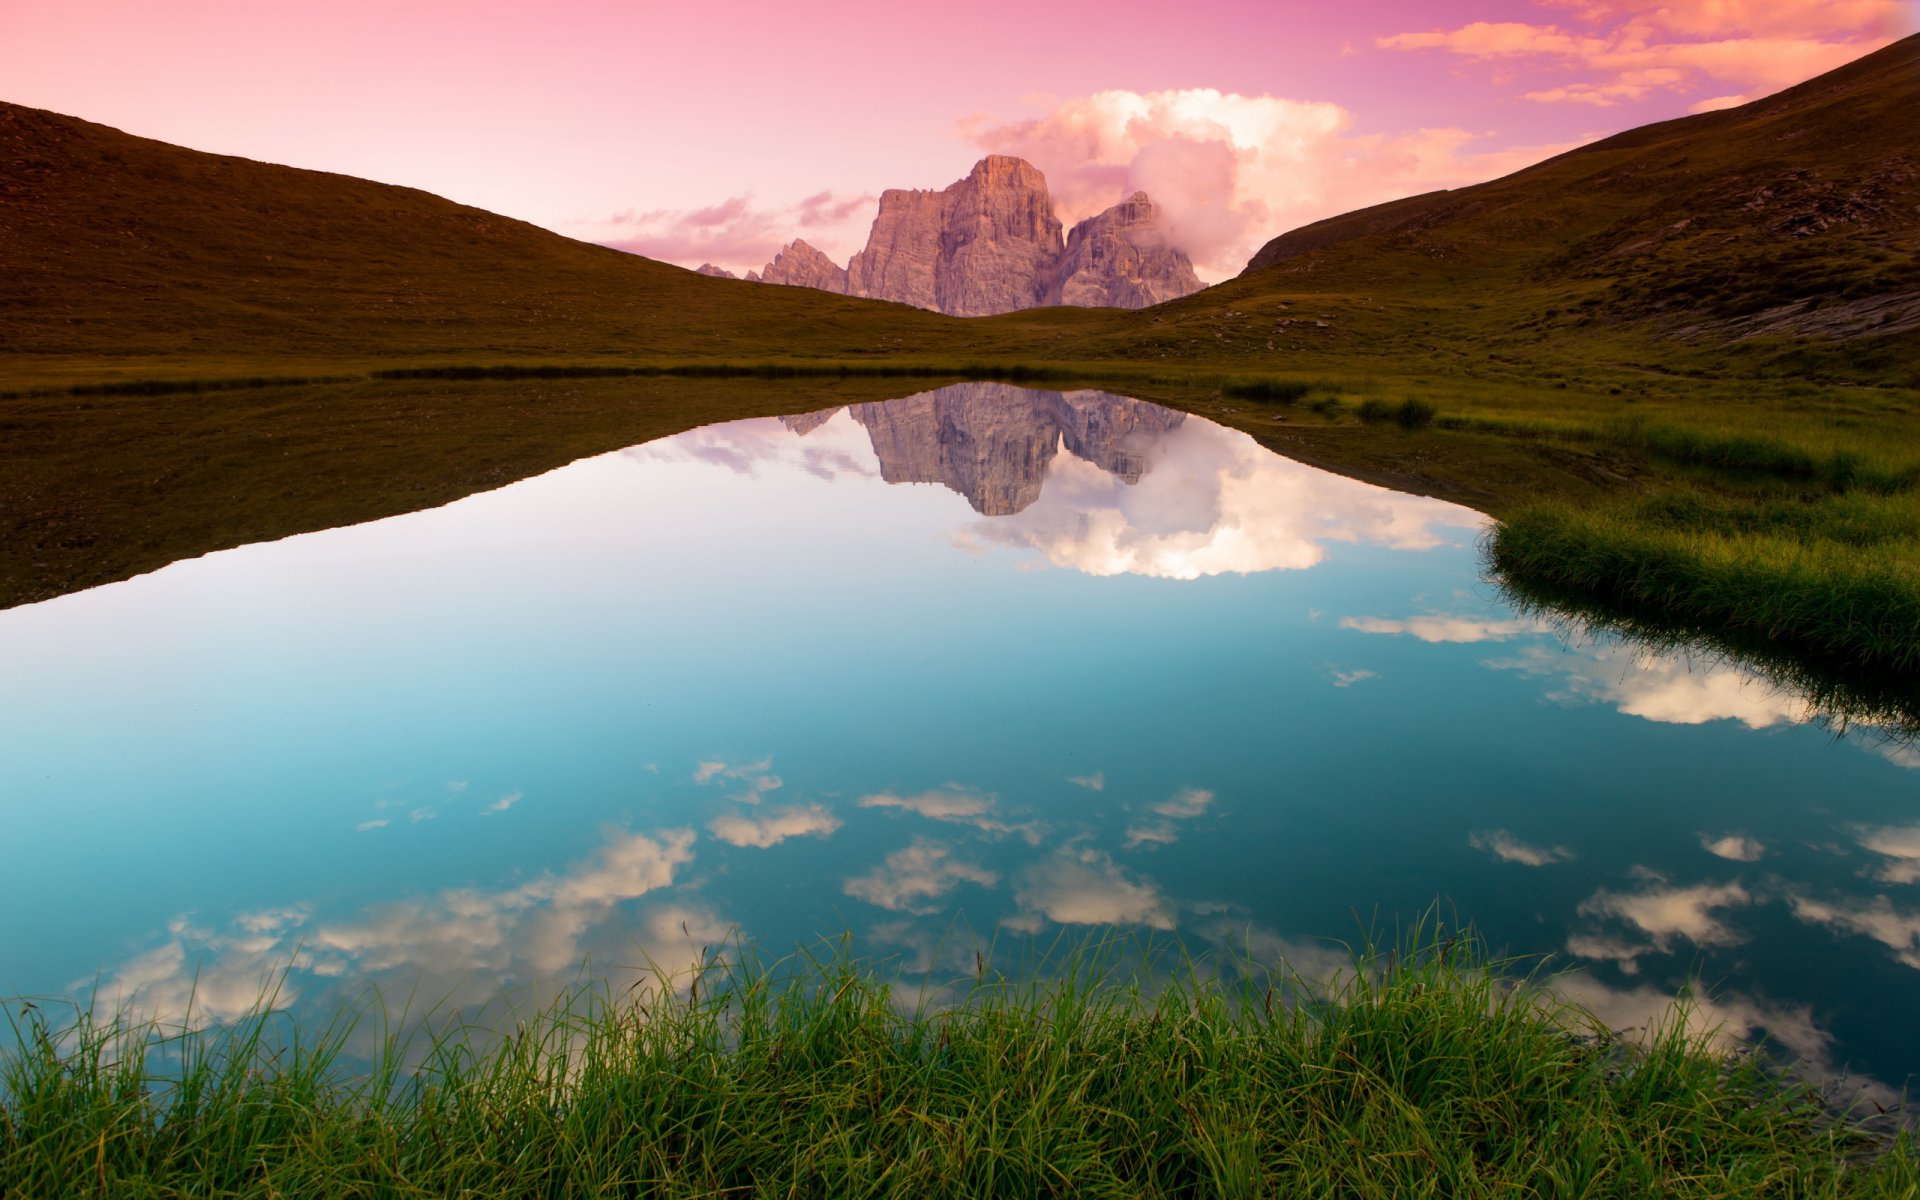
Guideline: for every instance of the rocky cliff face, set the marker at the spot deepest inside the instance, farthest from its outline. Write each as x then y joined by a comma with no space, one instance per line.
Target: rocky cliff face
1121,259
991,244
992,442
716,272
800,265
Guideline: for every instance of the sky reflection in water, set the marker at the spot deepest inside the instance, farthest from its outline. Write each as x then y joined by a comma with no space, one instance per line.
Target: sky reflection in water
1112,665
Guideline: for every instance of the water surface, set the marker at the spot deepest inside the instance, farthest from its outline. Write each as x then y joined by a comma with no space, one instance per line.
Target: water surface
983,662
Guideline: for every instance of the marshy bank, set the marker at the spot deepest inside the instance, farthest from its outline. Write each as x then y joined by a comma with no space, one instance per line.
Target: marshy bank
1424,1072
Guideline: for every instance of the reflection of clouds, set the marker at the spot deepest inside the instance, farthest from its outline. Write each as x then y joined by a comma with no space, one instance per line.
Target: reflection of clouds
1900,846
1095,782
774,826
1734,847
503,803
1508,848
753,779
1085,887
1661,913
1896,928
1186,804
461,946
1436,627
1213,502
1665,688
957,805
1343,679
917,878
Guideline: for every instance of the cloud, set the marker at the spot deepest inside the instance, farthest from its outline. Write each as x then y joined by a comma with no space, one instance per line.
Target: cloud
1437,628
774,826
738,234
1899,846
1662,913
1508,848
1085,887
753,779
1670,689
958,805
1733,847
503,803
461,946
1186,804
917,879
1095,782
1343,679
1629,50
1213,501
1230,170
1877,918
364,826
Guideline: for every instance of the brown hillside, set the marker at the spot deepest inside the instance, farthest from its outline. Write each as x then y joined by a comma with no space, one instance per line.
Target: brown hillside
113,244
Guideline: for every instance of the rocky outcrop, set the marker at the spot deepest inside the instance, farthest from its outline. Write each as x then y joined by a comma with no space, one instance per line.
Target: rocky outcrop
992,442
716,272
800,265
991,244
1121,259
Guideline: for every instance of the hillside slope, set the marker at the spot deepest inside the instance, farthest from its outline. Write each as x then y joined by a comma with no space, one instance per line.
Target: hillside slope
118,245
1797,215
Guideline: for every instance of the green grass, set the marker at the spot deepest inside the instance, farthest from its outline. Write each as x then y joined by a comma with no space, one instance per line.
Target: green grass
1423,1073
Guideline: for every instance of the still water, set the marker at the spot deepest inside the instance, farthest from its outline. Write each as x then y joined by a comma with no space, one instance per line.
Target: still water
979,663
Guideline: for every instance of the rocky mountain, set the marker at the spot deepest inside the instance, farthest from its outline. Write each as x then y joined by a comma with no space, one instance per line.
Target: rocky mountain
1121,259
990,243
993,442
715,272
800,265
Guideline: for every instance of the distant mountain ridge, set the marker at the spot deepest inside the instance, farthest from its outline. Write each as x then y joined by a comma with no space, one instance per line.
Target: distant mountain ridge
990,244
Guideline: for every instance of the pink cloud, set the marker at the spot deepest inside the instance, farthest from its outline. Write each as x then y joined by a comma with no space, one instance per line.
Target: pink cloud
1230,170
737,235
1636,48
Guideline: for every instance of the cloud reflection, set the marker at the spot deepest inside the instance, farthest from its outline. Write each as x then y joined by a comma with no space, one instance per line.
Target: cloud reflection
1084,886
774,826
1508,848
917,879
958,805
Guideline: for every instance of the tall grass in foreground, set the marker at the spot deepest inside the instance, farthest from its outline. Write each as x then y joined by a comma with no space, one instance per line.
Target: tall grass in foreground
1425,1073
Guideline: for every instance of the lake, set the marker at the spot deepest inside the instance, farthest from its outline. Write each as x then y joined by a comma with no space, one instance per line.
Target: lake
976,667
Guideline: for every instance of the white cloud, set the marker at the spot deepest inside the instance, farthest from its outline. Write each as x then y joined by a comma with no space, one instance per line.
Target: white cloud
1437,628
1185,805
1095,782
363,826
1670,689
1878,918
1733,847
738,233
503,803
1899,848
1342,679
1213,501
958,805
1508,848
774,826
1230,170
752,779
1085,887
917,879
1662,913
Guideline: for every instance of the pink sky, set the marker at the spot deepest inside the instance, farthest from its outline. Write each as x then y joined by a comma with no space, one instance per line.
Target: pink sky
719,132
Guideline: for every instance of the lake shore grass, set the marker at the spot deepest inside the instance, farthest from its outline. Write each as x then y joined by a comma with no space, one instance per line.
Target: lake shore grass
1429,1071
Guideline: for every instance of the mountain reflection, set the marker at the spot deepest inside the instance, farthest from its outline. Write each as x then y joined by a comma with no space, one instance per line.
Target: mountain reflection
1094,482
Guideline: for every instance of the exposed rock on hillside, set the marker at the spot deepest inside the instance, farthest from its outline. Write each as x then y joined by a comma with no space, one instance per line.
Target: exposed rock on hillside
1121,259
991,244
716,272
800,265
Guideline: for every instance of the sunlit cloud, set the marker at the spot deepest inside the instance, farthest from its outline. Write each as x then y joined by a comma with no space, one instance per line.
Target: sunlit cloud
503,803
738,234
1163,828
1435,627
1663,914
1670,689
1084,886
751,780
1094,783
1508,848
1733,847
1344,679
917,879
1213,501
774,826
957,805
1878,918
1629,50
460,946
1899,849
1230,170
